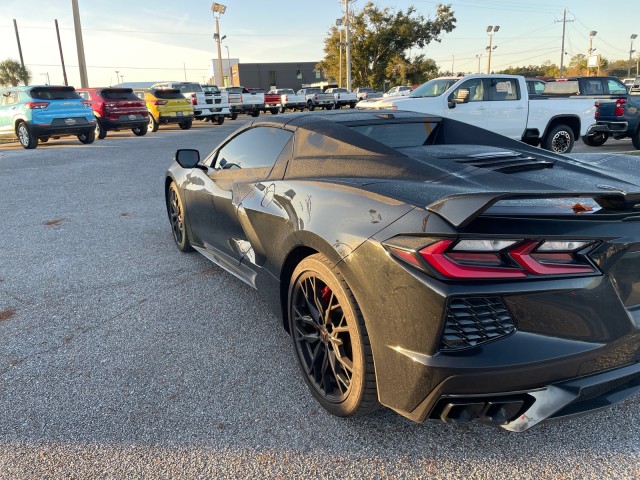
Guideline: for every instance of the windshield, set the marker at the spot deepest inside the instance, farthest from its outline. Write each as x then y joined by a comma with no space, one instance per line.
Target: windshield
433,88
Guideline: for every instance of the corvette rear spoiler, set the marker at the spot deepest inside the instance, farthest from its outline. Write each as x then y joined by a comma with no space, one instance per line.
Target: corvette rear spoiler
461,209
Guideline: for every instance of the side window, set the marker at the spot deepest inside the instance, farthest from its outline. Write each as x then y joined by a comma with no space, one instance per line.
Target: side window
503,89
594,87
12,99
255,148
475,87
615,87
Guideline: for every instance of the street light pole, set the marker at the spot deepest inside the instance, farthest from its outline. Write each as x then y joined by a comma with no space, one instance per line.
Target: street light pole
339,26
631,50
491,31
228,66
219,9
592,34
117,76
479,57
348,42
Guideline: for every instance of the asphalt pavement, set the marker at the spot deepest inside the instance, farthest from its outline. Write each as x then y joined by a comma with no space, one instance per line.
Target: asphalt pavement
123,358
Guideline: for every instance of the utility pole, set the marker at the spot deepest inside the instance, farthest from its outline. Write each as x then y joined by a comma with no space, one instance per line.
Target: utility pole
348,42
339,27
84,81
631,50
15,26
64,70
219,9
592,34
479,57
564,28
491,31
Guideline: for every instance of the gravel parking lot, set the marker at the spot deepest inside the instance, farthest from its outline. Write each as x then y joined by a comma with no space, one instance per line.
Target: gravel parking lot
123,358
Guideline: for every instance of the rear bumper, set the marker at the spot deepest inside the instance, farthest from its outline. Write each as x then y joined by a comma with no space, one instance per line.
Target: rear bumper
609,128
175,119
109,124
210,110
40,130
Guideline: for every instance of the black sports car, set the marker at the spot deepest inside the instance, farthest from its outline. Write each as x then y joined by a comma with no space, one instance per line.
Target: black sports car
426,265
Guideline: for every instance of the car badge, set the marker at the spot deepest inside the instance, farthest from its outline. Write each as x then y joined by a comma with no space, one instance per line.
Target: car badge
70,121
132,117
67,104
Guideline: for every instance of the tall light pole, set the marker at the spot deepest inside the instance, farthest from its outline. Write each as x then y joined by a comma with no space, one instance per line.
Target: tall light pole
228,65
348,42
491,31
479,57
631,50
84,79
339,26
592,34
47,74
218,9
117,76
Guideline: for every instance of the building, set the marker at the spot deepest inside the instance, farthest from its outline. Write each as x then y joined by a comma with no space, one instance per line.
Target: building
268,75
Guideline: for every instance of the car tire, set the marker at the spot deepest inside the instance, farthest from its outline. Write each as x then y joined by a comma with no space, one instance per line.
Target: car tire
139,131
310,106
101,133
274,111
234,116
185,125
330,339
25,137
595,140
219,120
282,109
175,211
559,139
635,139
88,137
352,105
255,113
153,124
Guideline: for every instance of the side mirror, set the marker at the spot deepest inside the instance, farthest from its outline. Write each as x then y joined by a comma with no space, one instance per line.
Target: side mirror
461,96
187,157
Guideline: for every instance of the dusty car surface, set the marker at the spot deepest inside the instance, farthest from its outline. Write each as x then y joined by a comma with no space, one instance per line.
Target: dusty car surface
427,265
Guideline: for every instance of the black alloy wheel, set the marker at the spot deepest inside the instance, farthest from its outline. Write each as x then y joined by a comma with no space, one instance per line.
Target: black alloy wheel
596,140
140,131
87,137
330,339
559,140
175,211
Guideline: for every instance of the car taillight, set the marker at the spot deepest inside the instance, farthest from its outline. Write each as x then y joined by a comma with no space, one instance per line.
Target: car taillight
473,259
160,102
597,114
315,96
619,110
286,98
37,105
194,99
140,104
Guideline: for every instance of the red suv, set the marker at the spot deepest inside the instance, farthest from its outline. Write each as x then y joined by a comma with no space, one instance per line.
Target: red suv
116,109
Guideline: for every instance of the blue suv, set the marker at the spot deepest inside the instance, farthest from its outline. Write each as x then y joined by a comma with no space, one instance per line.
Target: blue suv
39,112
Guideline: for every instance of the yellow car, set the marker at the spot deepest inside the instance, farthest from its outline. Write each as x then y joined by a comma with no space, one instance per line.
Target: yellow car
166,105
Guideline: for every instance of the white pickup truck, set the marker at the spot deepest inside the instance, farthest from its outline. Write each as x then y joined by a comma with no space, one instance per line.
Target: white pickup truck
315,98
501,104
242,100
288,99
343,97
206,106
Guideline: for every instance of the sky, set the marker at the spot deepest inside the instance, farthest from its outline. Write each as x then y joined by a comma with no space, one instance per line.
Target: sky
173,40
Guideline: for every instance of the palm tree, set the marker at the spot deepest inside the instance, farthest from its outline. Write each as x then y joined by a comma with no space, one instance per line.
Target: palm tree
12,73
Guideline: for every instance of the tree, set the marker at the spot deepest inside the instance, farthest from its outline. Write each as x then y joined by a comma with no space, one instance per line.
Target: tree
380,40
12,73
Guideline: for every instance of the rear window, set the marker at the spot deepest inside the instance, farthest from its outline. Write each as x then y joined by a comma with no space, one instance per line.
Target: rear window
210,89
569,87
235,89
188,87
167,94
58,93
125,94
398,135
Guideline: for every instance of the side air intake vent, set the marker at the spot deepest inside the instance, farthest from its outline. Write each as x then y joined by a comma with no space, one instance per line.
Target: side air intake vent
472,321
506,162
